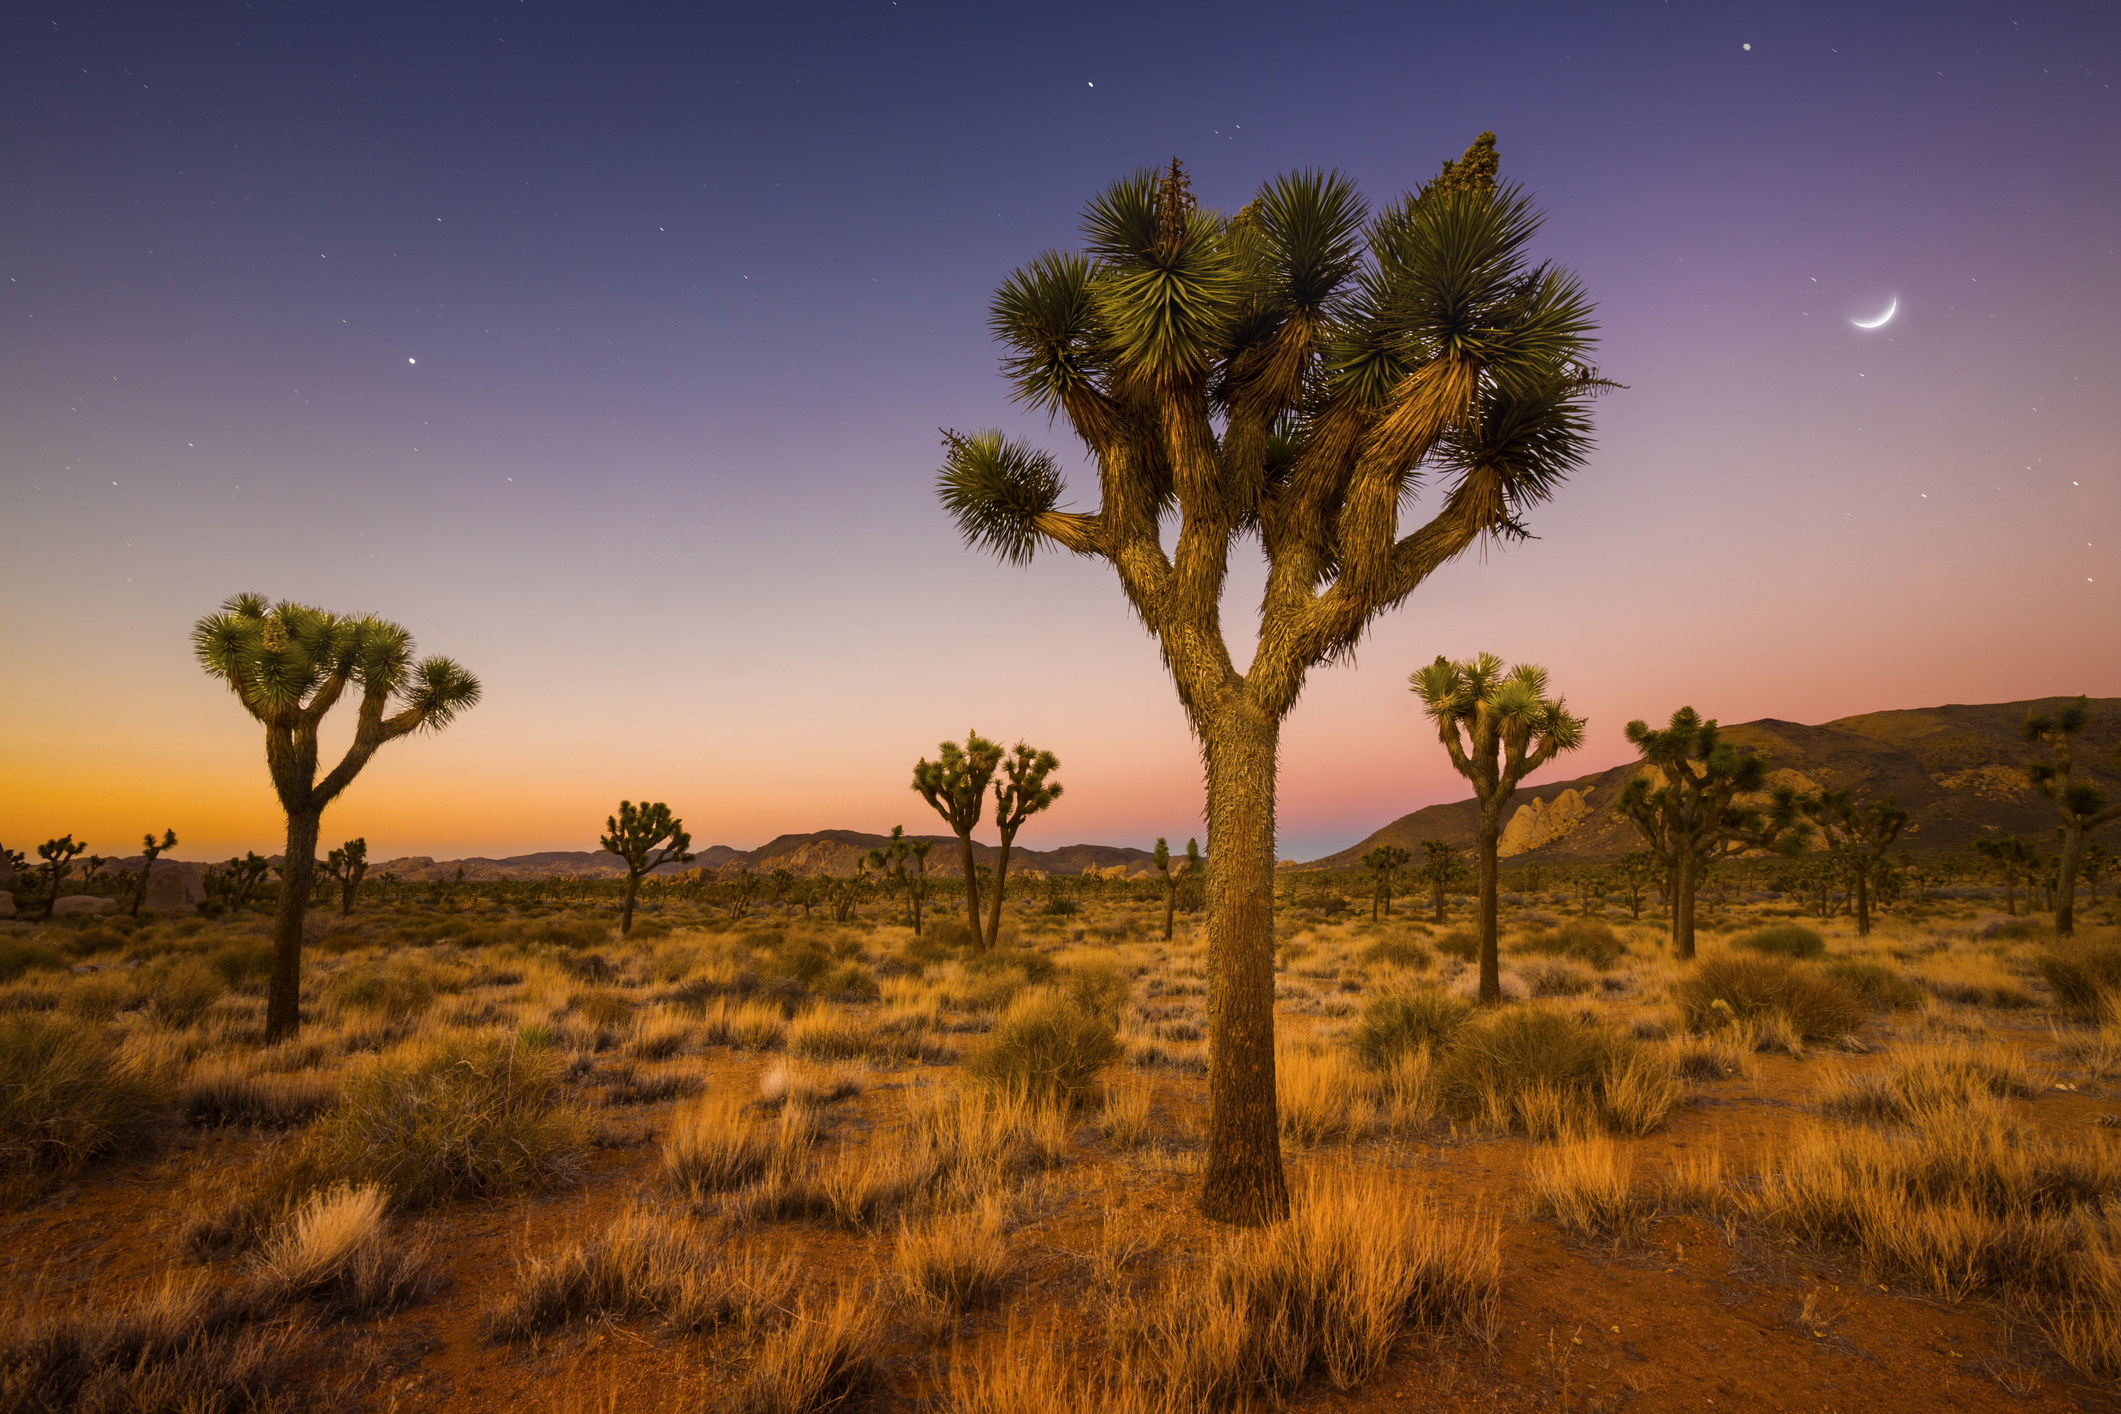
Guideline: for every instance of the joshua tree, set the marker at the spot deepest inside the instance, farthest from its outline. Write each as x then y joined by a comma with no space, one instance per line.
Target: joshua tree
647,837
1022,793
1384,864
1297,373
1443,868
1635,871
1860,834
2092,867
744,888
346,866
1161,857
289,665
58,856
2081,805
956,786
2014,860
889,860
1690,815
1498,727
91,867
152,848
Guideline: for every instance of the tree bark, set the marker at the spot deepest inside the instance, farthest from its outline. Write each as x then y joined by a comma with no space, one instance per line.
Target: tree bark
1683,907
2066,882
1863,898
972,918
1001,882
633,887
1170,903
283,1006
1490,942
1243,1181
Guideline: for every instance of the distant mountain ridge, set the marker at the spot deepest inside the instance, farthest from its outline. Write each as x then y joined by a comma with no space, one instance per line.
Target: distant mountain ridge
1958,769
820,852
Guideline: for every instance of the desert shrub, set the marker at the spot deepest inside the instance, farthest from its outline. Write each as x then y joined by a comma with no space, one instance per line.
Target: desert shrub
219,1092
1554,977
1915,1082
1097,988
98,996
20,955
1318,1094
957,1262
245,960
179,988
1972,979
1396,952
66,1096
336,1249
2079,972
820,1360
1034,966
457,1117
1783,940
171,1349
1883,987
1397,1023
399,991
1329,1291
1461,943
718,1144
1752,987
92,938
753,1026
1123,1115
1585,1185
1584,939
1547,1075
941,936
1048,1047
640,1265
1060,906
1719,1055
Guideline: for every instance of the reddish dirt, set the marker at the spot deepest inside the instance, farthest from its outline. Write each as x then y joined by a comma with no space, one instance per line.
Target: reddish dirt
1683,1318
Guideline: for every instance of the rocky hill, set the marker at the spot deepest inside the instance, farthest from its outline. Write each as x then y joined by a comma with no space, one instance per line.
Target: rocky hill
1960,771
821,852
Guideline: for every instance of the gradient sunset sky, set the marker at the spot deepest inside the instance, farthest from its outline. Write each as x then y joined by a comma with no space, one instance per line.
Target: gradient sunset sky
605,347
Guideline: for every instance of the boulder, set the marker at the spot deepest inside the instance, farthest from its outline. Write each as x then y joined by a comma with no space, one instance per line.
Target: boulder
90,904
1537,823
172,888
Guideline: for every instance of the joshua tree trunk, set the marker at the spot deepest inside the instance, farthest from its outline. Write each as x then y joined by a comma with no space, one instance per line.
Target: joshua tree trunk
972,918
2066,882
283,1010
633,888
1243,1182
1490,956
1001,881
1863,899
1683,881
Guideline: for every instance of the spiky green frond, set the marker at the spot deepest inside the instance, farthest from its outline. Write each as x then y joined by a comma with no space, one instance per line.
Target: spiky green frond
1521,448
1311,226
996,488
1047,315
440,689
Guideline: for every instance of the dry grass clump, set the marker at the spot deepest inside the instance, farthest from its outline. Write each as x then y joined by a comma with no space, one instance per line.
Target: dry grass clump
66,1096
399,990
2096,1053
1972,978
225,1091
336,1249
658,1034
1395,1024
958,1262
1555,977
641,1266
18,955
748,1026
2083,974
831,1033
1123,1115
451,1117
1319,1094
1916,1081
1756,987
628,1084
1586,1186
1883,987
172,1349
1396,950
1782,940
179,988
1049,1045
1720,1055
718,1145
1546,1075
1585,939
822,1359
1325,1293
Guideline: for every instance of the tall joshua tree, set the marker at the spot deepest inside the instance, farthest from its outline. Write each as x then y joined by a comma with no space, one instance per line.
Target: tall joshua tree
2081,805
289,665
1498,726
1299,373
152,848
346,866
647,837
956,786
1022,792
1860,832
1384,864
1689,813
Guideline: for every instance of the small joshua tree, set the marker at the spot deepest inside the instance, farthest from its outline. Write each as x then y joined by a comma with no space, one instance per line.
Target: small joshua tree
956,787
152,848
1498,727
1384,864
1860,833
58,856
1635,871
1689,813
2013,860
889,860
289,665
1443,868
2081,805
647,837
1023,792
346,866
1161,856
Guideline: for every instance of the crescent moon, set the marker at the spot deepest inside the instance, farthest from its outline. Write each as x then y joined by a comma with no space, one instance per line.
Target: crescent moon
1881,321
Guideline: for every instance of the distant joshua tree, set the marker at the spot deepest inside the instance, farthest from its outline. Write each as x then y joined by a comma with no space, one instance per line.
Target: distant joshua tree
647,837
58,856
346,866
956,786
1635,871
1384,864
1860,833
2080,804
152,848
1161,857
1689,812
2014,861
2093,867
1498,727
1443,868
1023,792
289,665
1294,376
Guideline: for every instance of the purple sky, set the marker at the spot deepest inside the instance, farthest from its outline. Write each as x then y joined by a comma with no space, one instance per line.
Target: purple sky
605,348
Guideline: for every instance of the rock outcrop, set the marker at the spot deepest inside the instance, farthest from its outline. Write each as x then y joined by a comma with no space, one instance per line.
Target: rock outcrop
1537,823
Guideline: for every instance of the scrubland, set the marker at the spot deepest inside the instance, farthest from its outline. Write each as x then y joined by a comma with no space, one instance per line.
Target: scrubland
788,1165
